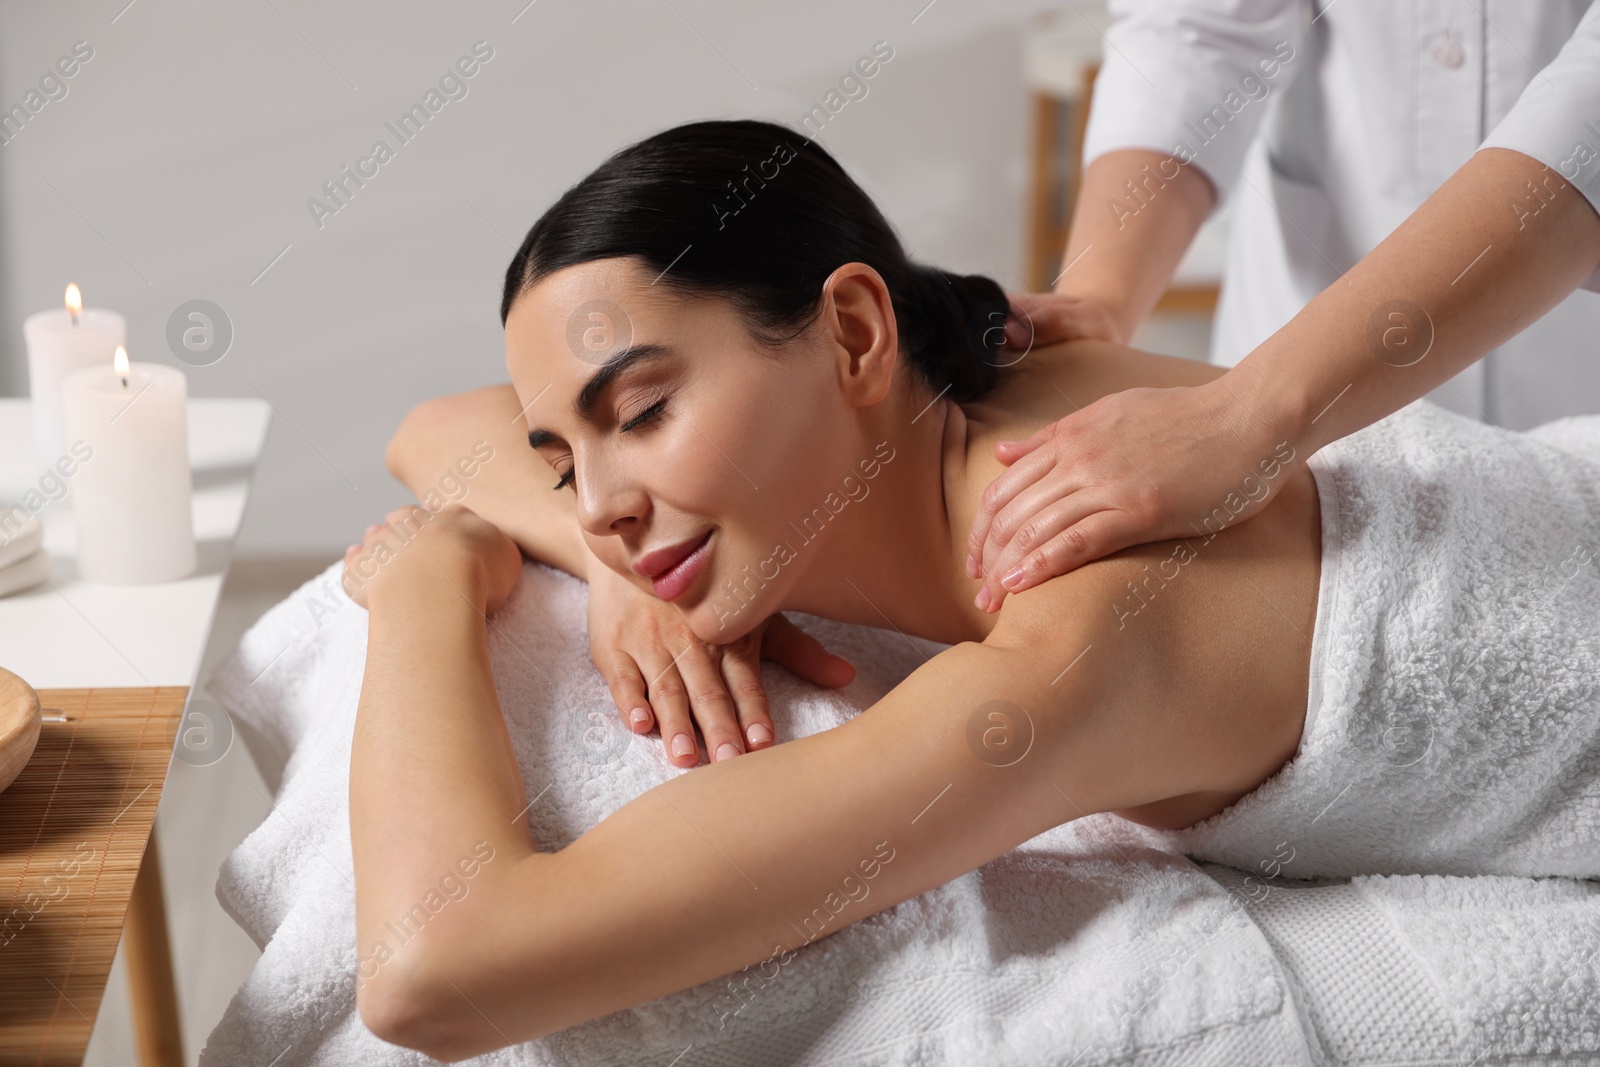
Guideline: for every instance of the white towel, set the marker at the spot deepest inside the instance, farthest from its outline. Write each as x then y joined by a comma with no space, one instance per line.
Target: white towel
24,562
1453,725
1413,969
1082,947
1079,942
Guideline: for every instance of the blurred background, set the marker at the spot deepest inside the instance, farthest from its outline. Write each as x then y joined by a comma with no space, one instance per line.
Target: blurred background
188,157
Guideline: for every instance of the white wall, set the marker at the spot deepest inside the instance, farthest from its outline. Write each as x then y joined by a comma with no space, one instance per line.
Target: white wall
179,164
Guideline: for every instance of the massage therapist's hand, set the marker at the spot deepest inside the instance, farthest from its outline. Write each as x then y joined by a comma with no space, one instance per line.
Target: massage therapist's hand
658,670
1038,319
1136,466
453,542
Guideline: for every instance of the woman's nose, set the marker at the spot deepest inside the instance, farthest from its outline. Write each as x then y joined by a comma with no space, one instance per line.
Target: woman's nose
608,499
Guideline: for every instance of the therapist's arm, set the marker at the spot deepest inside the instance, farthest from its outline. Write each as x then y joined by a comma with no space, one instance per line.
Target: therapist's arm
1136,214
1137,209
1502,241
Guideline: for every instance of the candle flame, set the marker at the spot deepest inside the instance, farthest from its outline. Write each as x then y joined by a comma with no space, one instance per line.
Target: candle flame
74,301
119,363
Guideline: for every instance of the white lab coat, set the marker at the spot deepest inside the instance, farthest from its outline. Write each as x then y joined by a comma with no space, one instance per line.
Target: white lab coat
1326,151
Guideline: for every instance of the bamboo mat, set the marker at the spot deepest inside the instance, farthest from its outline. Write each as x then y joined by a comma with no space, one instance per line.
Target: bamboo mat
73,828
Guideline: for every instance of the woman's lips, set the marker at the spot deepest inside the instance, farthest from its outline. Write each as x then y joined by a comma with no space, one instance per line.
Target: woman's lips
674,582
656,563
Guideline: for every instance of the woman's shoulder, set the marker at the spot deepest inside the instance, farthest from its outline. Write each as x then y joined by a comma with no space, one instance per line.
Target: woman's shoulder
1042,387
1044,384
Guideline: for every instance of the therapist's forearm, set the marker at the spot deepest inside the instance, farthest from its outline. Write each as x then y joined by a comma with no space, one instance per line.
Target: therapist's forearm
1136,214
1502,241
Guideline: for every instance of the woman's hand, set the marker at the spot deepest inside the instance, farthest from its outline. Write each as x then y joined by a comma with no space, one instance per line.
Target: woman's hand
1039,319
1136,466
659,671
450,541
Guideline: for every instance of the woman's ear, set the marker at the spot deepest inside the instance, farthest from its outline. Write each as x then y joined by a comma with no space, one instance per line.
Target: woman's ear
858,325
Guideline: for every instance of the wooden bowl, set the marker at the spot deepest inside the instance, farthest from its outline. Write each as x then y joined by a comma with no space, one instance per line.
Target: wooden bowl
19,725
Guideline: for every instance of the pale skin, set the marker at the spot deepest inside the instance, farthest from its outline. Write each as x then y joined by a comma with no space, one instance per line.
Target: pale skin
1164,715
658,671
1498,244
1144,463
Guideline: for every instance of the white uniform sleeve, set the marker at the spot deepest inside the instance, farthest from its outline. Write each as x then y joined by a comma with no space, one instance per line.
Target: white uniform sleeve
1556,120
1192,79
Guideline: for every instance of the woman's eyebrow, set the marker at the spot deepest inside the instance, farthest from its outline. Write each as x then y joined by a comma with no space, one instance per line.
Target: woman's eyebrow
592,390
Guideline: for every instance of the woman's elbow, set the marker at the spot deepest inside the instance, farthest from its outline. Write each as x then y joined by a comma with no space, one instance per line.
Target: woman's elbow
424,998
482,974
430,429
407,1004
417,425
392,1005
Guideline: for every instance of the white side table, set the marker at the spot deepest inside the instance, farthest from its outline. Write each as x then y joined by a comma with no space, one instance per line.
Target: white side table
70,633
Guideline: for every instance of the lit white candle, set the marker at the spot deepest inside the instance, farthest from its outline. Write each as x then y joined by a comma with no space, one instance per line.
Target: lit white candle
60,342
131,496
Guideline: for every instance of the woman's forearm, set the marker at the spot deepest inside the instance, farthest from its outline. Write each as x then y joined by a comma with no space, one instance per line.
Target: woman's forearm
1135,216
1496,246
513,490
433,781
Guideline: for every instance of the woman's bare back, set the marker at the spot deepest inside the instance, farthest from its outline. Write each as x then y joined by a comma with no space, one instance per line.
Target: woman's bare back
1212,633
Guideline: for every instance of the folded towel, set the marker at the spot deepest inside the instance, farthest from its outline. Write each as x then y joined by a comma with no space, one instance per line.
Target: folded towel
1083,946
25,573
1453,725
24,563
1392,969
21,534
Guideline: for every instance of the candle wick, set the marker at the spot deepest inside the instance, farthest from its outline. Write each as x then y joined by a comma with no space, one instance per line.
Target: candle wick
74,315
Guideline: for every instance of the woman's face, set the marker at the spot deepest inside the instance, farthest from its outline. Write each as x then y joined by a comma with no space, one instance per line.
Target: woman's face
703,448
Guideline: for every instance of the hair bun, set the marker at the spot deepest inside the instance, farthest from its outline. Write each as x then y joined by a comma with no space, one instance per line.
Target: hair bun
959,329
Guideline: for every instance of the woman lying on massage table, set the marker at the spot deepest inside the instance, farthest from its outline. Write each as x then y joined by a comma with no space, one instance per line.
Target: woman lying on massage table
755,403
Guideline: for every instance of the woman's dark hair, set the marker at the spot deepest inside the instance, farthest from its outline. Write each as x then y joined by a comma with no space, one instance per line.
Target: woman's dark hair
751,212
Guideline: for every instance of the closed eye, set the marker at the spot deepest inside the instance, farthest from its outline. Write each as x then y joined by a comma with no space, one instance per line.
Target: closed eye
646,415
649,413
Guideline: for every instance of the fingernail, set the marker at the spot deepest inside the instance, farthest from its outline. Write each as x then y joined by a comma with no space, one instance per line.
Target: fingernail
374,526
639,716
759,733
727,750
682,745
982,599
1010,581
353,546
973,570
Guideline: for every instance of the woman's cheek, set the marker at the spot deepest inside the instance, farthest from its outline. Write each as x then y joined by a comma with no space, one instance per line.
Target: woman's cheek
609,551
702,471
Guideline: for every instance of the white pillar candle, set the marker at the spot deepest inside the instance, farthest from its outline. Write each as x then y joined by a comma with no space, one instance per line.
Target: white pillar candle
60,342
131,496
